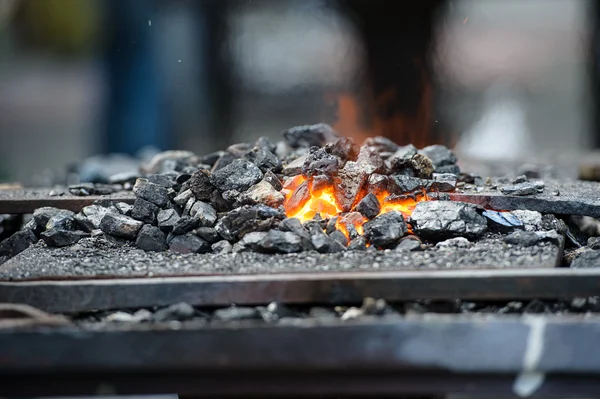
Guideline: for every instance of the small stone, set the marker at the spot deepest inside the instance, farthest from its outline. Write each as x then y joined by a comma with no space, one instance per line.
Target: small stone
344,148
348,184
262,193
42,215
539,185
409,244
406,161
283,242
369,206
307,136
352,313
454,243
579,303
318,312
95,214
205,213
339,237
523,238
239,175
593,242
265,144
503,221
440,156
208,234
320,162
84,223
236,223
273,180
151,238
182,198
120,317
264,159
400,184
519,179
124,208
144,211
166,161
188,243
358,244
62,238
381,144
439,220
587,259
555,193
166,180
185,224
64,221
325,244
330,227
531,220
537,307
294,168
82,189
120,226
124,177
17,243
249,241
200,186
295,226
167,219
151,192
235,313
526,188
374,307
222,247
377,184
178,312
444,182
385,230
369,161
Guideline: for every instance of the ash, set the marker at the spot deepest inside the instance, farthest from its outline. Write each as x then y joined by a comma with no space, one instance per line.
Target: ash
312,201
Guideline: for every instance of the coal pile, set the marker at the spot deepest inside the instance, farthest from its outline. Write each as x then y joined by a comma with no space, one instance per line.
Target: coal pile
313,191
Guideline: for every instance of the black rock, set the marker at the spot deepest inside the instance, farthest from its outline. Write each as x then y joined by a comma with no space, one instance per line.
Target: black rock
185,224
264,159
369,206
82,189
587,259
320,162
294,167
235,313
439,220
261,193
523,238
295,226
245,219
124,177
310,135
95,214
386,229
440,156
370,161
276,311
62,221
453,169
158,195
325,244
273,180
375,307
537,307
249,242
144,211
283,242
407,161
503,221
183,197
188,243
167,180
200,186
62,238
208,234
124,208
593,242
239,175
344,148
265,144
83,223
210,159
330,227
339,237
218,202
526,188
205,213
381,144
377,183
178,312
120,226
151,238
222,247
409,244
444,182
167,219
401,184
225,159
43,215
358,244
348,184
17,243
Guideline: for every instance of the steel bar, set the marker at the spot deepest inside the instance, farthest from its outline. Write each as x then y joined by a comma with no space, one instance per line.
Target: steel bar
302,288
22,201
425,355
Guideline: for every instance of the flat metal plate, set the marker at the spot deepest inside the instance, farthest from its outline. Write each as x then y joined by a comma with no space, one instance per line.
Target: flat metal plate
19,201
574,198
424,354
308,288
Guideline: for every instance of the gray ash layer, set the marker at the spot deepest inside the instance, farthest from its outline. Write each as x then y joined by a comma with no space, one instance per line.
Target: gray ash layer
94,257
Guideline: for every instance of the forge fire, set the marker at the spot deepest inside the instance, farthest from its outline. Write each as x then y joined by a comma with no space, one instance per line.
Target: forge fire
314,190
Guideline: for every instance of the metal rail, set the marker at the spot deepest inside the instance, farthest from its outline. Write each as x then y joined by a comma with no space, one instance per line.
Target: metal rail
533,356
69,296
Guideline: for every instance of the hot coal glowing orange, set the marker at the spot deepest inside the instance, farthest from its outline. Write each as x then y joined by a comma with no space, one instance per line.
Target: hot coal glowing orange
303,203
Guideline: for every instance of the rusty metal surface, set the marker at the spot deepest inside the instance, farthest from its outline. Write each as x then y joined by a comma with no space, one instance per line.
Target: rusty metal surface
27,200
419,355
303,288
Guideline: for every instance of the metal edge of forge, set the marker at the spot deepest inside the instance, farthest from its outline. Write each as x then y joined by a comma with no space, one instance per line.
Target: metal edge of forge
527,356
72,296
27,201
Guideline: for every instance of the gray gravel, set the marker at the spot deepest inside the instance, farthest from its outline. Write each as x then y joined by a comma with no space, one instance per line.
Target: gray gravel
94,256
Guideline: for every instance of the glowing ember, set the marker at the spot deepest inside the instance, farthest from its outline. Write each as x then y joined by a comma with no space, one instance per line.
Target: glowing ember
302,202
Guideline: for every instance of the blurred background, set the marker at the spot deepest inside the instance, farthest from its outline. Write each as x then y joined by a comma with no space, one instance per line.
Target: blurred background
498,80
